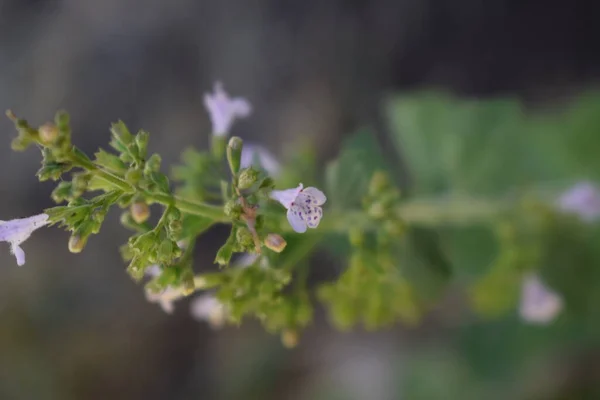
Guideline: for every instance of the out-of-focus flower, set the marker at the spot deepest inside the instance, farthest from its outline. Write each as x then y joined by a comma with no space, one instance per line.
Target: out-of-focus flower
167,297
223,110
275,242
582,199
258,156
16,231
303,205
208,308
539,304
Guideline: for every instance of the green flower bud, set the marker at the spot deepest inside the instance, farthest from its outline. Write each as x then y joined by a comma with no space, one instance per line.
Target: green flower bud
165,250
133,176
232,209
62,192
48,133
175,227
126,219
275,242
247,178
140,212
80,183
244,238
234,154
77,243
141,140
376,210
379,182
153,164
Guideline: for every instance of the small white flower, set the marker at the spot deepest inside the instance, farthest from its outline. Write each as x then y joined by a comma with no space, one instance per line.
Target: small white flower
260,157
165,299
539,304
208,308
16,231
582,199
223,110
303,205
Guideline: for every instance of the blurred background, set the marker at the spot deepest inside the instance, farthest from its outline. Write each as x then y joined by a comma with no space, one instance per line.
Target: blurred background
77,327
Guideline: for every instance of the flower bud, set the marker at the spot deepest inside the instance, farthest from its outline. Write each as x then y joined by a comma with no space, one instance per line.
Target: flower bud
232,209
376,210
175,227
275,242
140,212
153,164
247,178
133,176
289,338
379,182
77,243
234,154
48,133
244,238
165,250
141,141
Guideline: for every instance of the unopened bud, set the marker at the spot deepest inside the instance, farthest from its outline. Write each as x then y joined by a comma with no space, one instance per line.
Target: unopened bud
233,209
140,212
48,133
234,154
76,243
244,238
133,176
153,164
289,338
275,242
247,178
379,182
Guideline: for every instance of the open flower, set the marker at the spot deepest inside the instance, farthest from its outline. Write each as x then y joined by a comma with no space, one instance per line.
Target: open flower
539,304
303,205
258,156
583,199
16,231
208,308
223,110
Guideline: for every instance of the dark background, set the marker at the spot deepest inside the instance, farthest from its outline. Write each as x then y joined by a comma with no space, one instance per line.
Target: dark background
75,326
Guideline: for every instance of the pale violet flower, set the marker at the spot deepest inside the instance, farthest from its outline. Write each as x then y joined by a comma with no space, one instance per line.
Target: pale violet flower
583,199
303,206
167,297
208,308
260,157
16,231
223,110
539,304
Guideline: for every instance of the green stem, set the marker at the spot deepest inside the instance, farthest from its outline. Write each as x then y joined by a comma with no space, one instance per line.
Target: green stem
424,212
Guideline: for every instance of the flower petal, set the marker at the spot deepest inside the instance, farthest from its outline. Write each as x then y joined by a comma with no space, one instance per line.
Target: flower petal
19,254
286,197
260,157
539,304
296,219
313,216
223,110
316,194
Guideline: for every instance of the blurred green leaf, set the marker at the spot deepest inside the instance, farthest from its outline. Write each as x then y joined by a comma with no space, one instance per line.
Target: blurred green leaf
348,177
490,146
